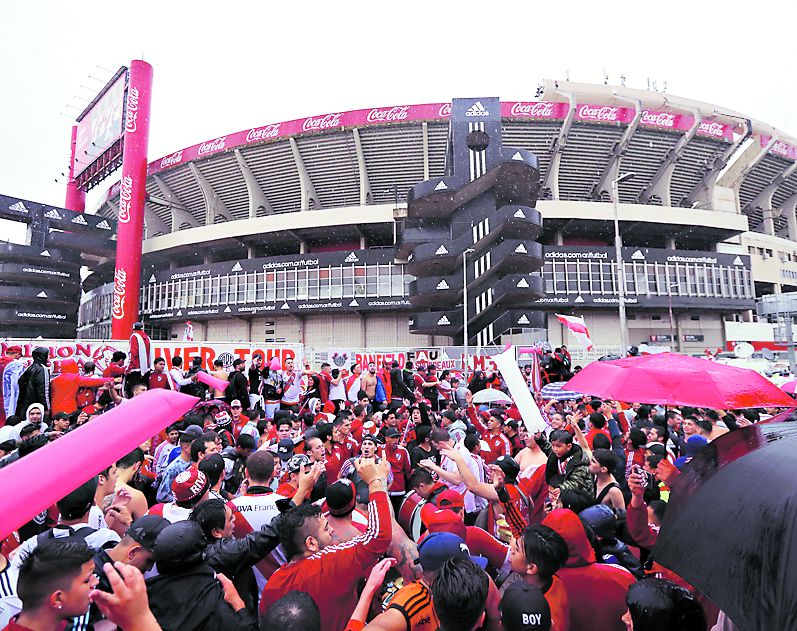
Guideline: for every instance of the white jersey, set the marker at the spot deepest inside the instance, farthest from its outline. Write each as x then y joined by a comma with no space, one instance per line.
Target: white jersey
292,387
254,512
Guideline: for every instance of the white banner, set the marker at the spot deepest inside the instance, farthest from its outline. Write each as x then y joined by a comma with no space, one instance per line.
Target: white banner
519,390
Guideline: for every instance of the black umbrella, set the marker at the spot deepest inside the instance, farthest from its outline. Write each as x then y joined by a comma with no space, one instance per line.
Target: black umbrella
731,526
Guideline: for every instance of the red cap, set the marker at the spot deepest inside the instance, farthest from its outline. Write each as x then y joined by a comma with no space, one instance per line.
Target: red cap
444,520
514,413
189,485
451,499
14,349
329,407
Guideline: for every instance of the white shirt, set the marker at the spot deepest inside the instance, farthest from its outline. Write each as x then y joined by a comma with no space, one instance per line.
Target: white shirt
258,511
337,392
472,502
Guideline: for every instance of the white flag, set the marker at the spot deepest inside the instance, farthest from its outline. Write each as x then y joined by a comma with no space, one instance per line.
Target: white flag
578,328
519,390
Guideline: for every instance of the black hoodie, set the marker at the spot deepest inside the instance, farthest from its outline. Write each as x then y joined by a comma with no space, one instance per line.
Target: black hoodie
34,383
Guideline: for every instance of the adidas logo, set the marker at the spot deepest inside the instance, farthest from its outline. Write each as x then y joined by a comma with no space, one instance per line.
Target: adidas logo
236,268
738,261
477,109
441,187
44,253
521,249
519,214
19,207
410,322
80,220
152,278
522,283
442,285
354,303
41,294
409,258
52,214
579,299
284,306
517,156
441,250
638,256
103,225
179,312
352,258
443,321
523,320
227,309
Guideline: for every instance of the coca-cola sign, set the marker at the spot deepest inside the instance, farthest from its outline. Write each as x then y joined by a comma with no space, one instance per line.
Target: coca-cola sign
710,128
444,111
119,291
388,114
131,111
170,161
263,133
211,146
533,110
782,149
659,119
125,199
317,123
602,113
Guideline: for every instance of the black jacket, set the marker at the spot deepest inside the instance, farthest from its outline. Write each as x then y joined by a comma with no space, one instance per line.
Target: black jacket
238,388
399,389
34,383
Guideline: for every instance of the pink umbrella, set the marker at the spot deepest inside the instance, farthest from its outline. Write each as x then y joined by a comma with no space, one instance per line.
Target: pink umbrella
672,379
790,386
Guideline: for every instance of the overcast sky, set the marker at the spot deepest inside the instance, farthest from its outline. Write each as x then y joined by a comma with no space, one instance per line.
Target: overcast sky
221,67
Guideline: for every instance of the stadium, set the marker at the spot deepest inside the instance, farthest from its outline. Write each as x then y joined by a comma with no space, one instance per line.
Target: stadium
294,232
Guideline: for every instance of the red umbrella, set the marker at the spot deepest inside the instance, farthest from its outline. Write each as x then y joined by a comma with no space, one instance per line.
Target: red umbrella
672,379
789,387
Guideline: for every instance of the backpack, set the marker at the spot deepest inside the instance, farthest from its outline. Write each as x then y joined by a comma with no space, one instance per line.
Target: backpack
233,483
74,535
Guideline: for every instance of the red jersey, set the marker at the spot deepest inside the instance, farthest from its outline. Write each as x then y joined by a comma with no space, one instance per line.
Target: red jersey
591,434
499,446
327,576
340,453
158,380
399,459
113,371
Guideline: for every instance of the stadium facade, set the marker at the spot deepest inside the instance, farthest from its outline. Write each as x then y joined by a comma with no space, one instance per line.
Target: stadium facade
297,232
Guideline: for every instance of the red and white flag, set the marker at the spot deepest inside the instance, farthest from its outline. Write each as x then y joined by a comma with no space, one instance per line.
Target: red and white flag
578,327
188,334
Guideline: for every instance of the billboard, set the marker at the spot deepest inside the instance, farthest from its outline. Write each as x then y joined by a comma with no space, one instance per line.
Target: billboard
100,125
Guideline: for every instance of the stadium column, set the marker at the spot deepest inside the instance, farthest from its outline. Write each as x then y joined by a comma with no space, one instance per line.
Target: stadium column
75,197
130,231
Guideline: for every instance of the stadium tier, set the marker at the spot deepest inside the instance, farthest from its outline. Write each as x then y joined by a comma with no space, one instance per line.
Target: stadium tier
297,232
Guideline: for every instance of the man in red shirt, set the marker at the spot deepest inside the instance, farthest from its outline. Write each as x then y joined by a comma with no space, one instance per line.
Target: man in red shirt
117,366
328,573
159,378
65,387
495,438
399,459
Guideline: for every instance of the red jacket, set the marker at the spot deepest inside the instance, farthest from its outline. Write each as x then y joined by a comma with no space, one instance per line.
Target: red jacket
399,459
330,576
596,591
65,387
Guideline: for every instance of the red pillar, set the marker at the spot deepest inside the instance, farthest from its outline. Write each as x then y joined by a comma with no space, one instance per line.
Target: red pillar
75,198
130,232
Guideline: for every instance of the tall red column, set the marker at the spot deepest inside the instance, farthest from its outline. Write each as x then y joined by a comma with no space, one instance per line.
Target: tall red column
130,232
75,197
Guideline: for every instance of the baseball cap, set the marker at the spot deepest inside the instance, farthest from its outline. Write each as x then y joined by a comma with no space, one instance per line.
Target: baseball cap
285,449
451,499
192,432
14,349
444,520
438,547
341,497
235,403
509,466
222,418
524,608
189,485
79,501
295,463
146,529
392,432
371,438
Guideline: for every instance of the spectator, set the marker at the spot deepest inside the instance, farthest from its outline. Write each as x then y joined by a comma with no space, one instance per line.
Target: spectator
34,383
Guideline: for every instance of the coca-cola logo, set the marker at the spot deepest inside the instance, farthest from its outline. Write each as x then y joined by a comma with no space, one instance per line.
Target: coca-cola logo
125,198
445,110
131,113
599,113
263,133
659,119
170,161
781,148
119,291
317,123
389,114
212,146
712,129
533,110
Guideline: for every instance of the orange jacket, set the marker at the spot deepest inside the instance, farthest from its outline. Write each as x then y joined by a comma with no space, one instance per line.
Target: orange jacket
66,385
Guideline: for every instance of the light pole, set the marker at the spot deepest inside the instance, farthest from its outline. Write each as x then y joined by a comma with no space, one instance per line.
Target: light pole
624,177
465,310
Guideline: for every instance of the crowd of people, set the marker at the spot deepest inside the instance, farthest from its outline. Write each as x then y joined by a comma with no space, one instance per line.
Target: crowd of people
378,497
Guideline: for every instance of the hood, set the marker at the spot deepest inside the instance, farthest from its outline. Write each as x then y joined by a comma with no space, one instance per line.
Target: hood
458,424
570,528
69,367
179,547
40,354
